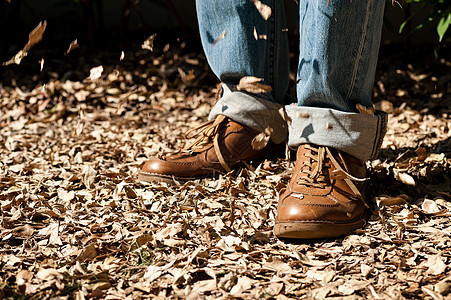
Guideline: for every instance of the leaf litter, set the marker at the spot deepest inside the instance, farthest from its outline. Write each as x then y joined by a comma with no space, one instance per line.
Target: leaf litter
34,37
76,223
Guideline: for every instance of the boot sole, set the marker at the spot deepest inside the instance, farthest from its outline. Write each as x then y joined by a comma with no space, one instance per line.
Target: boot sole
153,177
315,230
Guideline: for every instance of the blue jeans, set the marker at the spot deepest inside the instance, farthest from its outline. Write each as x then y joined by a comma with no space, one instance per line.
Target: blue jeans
339,44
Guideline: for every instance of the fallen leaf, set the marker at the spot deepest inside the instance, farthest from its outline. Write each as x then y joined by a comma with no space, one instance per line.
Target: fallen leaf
389,201
405,178
220,37
73,45
430,207
88,253
368,111
49,274
96,72
148,43
264,10
261,140
244,283
35,35
435,265
252,85
41,63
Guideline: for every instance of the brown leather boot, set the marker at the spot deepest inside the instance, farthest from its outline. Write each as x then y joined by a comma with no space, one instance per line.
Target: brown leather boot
322,200
220,146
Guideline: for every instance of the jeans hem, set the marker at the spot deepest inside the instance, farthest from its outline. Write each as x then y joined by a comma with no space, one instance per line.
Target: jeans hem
354,133
253,111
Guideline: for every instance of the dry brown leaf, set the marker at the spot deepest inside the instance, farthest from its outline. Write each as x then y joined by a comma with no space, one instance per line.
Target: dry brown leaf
405,178
16,59
278,266
421,153
23,276
204,286
284,115
431,207
244,283
95,73
435,265
259,36
73,45
24,231
148,43
52,231
389,201
169,231
35,35
368,111
49,274
264,10
261,140
351,286
252,85
41,63
220,37
88,253
274,288
366,270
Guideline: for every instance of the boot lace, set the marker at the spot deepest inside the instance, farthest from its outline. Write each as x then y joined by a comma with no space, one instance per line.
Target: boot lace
203,135
317,176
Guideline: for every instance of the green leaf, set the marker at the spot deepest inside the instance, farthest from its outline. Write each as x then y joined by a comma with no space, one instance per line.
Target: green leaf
401,27
443,26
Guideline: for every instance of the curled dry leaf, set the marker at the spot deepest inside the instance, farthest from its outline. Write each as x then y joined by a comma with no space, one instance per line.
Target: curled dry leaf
252,85
393,2
244,283
73,45
368,111
366,270
389,201
259,36
148,43
435,265
96,72
88,253
261,140
220,37
283,114
34,37
264,10
430,207
88,176
404,178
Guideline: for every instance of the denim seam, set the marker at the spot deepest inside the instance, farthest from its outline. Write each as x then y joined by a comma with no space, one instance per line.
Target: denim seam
380,134
376,137
383,131
272,52
359,54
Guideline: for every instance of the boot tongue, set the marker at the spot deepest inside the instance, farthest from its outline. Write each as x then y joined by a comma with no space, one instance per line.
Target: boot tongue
315,168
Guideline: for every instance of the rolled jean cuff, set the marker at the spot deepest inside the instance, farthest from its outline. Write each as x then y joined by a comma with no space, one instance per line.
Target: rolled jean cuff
357,134
252,111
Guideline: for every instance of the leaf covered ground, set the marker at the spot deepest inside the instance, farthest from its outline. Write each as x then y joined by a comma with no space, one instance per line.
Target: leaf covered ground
75,223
